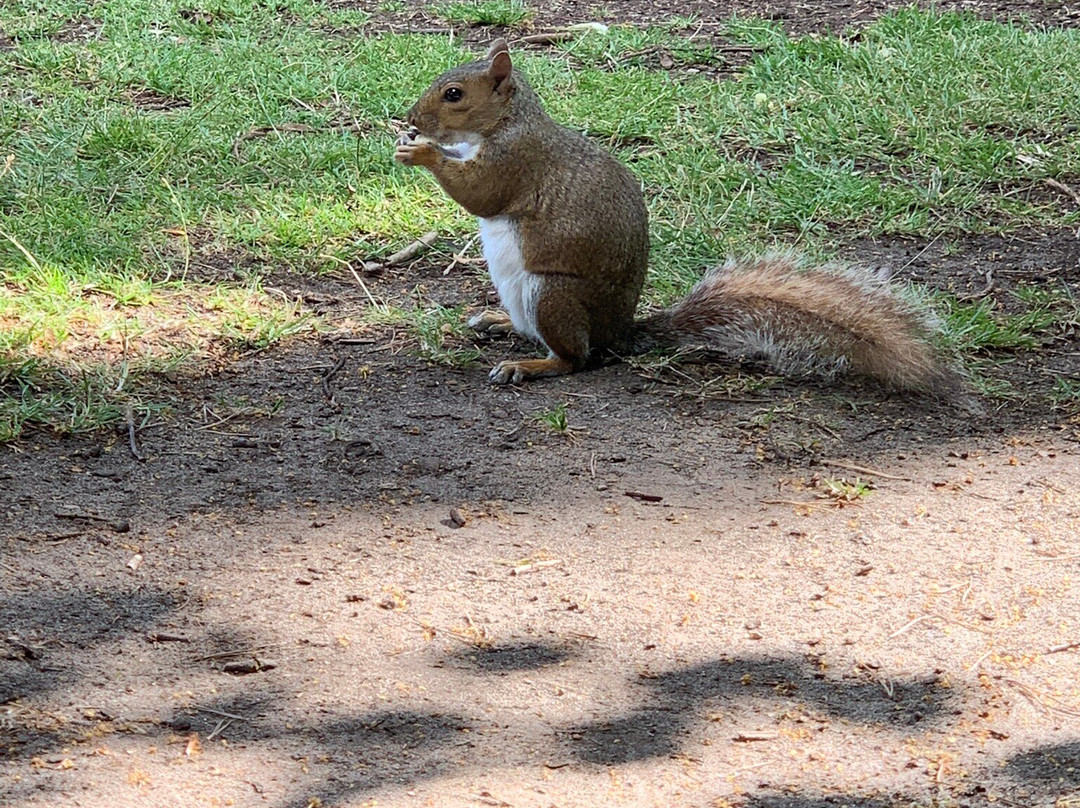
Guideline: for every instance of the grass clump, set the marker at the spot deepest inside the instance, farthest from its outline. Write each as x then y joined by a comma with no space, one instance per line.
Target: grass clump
508,13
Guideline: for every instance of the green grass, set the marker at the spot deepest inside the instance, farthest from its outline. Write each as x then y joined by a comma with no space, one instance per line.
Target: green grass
554,419
509,13
1038,316
148,139
439,332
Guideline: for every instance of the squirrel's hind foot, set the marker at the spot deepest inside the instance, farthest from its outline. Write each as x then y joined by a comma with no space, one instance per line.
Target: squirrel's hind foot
512,372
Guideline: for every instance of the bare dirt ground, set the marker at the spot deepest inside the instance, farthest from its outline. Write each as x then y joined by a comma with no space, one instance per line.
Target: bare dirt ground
343,576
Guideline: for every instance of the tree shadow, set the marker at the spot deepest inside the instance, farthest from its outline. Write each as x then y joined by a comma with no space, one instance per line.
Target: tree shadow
1057,766
77,622
673,701
509,657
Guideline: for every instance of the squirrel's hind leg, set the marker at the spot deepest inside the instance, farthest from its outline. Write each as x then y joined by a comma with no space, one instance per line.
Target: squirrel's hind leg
563,326
492,321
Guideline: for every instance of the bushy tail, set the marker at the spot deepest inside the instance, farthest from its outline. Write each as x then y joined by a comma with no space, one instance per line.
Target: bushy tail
821,321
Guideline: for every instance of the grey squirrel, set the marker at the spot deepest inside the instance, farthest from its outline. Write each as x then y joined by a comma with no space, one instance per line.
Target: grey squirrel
564,229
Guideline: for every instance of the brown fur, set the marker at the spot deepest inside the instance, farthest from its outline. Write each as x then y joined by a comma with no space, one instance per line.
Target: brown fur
583,228
821,321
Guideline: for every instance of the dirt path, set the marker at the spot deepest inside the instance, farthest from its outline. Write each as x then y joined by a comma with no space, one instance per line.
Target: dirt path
343,576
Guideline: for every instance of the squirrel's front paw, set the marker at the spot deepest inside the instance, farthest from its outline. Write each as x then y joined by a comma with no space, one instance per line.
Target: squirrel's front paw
491,322
414,149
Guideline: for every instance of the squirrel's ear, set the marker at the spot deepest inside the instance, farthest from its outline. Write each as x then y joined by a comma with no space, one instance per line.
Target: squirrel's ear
499,54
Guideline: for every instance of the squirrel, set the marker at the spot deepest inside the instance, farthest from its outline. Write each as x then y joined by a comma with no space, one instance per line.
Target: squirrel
564,229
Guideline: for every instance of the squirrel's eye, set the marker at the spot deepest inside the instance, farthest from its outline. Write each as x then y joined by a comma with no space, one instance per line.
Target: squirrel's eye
453,94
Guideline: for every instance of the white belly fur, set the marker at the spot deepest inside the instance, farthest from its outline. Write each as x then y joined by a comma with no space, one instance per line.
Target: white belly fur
518,289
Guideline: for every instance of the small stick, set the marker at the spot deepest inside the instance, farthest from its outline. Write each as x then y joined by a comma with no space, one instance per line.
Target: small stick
1065,189
975,665
222,724
460,256
359,280
1058,558
985,291
1041,701
133,445
907,626
827,430
325,378
546,39
222,713
749,737
844,464
534,566
408,253
1067,646
644,497
810,503
236,652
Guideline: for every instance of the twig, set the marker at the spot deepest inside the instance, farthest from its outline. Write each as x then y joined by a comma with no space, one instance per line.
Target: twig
1066,646
844,464
827,430
325,378
552,38
408,253
1040,700
133,445
1058,558
245,652
1065,189
985,290
907,626
534,566
750,737
810,503
222,713
975,665
221,725
259,131
962,624
460,255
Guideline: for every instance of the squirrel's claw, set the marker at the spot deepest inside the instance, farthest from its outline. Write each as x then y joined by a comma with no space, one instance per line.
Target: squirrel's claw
407,136
506,373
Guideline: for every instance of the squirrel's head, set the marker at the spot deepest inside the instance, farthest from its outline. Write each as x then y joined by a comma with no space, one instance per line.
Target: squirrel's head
471,99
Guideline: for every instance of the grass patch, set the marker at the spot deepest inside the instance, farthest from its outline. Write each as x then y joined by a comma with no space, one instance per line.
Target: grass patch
508,13
440,332
1040,315
147,139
